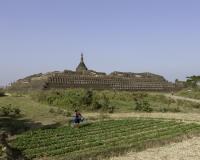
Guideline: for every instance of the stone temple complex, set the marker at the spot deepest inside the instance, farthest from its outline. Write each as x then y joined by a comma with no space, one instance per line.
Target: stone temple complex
89,79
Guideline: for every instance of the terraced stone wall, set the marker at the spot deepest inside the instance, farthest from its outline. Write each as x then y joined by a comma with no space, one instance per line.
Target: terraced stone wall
97,82
111,82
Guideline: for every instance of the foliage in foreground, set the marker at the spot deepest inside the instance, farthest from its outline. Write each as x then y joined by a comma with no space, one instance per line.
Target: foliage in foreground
2,93
100,139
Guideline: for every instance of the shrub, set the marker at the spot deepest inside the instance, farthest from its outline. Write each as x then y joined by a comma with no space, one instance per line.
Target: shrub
168,101
195,104
179,102
169,109
2,93
158,98
71,98
163,109
175,109
105,104
60,112
8,110
143,105
16,111
141,95
111,109
95,105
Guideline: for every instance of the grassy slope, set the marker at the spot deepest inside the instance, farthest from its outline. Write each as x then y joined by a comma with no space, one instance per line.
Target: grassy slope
33,115
32,110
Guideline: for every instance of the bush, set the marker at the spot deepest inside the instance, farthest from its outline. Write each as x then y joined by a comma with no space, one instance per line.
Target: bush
163,109
6,110
175,109
195,104
16,111
141,95
168,101
161,99
2,93
169,109
60,112
105,105
9,111
143,105
111,109
95,105
71,98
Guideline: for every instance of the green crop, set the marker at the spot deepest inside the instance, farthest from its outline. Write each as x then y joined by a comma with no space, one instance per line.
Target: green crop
99,138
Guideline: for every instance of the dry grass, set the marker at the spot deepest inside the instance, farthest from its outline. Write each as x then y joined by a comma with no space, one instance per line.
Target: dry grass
185,117
186,150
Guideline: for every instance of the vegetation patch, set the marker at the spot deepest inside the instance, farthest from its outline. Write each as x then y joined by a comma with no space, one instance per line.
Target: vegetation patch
60,112
8,110
2,93
100,139
112,101
189,94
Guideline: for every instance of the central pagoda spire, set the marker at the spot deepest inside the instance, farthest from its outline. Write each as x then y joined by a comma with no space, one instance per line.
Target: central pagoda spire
81,65
81,57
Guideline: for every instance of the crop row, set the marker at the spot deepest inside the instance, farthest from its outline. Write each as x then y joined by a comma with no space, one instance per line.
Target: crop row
89,137
110,143
124,133
84,134
94,128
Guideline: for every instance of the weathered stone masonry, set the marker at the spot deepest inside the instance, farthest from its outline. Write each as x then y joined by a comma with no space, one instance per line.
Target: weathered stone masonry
89,79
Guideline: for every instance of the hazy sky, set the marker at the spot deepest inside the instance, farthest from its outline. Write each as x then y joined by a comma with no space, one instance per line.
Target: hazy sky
156,36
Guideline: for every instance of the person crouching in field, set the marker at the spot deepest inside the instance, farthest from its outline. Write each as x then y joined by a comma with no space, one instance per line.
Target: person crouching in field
78,117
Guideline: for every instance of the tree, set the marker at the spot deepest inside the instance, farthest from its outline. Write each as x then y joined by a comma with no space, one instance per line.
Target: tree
192,81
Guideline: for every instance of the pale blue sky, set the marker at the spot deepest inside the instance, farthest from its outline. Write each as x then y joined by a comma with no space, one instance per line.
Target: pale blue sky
156,36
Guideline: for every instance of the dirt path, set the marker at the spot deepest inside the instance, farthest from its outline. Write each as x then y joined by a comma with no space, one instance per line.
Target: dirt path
7,94
185,117
178,97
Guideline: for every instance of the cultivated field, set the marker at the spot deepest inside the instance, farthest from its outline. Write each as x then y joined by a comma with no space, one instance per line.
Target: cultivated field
124,134
101,139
